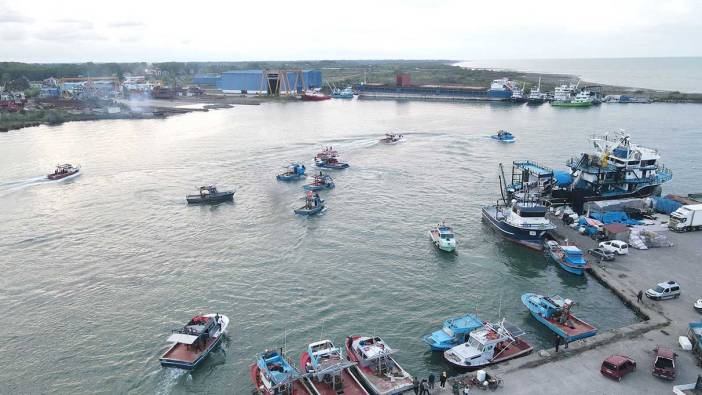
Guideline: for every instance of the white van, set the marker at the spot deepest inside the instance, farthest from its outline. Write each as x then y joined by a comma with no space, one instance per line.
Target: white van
616,246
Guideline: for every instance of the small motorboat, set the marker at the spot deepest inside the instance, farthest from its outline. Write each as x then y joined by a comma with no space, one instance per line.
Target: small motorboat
392,138
698,306
328,371
328,159
321,181
272,374
569,257
454,332
442,237
313,204
65,170
295,171
209,195
346,93
194,342
504,137
376,367
314,96
554,312
492,344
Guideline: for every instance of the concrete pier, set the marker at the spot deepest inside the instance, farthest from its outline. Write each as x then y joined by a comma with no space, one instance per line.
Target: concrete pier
576,370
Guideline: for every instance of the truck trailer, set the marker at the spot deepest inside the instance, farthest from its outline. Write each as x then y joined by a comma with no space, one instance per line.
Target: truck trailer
686,218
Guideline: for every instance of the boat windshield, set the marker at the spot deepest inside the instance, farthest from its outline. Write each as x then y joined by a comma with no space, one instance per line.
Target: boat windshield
447,236
475,344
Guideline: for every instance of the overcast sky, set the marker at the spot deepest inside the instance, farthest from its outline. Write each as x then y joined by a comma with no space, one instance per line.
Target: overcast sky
130,30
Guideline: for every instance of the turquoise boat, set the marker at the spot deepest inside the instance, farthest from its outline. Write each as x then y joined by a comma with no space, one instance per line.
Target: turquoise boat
454,332
554,313
568,257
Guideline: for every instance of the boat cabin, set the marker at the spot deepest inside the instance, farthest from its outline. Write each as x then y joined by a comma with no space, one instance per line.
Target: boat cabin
553,307
528,215
208,190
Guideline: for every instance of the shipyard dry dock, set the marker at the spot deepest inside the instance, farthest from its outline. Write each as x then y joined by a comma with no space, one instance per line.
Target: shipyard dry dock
576,370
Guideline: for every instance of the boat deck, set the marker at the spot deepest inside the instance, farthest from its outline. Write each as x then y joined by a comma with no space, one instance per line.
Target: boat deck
187,353
351,386
574,327
384,384
514,350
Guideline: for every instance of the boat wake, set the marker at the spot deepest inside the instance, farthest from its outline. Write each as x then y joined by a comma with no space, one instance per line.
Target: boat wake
8,187
169,380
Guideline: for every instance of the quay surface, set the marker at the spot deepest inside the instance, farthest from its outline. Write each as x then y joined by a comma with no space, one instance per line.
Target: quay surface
577,369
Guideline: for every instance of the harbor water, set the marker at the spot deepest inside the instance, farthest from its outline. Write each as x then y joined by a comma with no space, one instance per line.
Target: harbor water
97,270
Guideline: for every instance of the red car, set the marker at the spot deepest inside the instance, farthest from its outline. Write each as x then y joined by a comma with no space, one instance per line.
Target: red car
617,366
664,363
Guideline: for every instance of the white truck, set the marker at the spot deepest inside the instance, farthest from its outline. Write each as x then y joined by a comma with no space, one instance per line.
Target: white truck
686,218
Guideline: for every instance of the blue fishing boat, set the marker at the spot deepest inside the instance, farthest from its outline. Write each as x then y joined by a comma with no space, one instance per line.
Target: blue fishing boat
295,172
272,374
454,332
504,137
321,181
569,257
328,158
313,205
554,312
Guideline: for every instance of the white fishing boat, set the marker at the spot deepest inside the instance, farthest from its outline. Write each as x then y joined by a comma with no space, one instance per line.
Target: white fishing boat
376,367
443,238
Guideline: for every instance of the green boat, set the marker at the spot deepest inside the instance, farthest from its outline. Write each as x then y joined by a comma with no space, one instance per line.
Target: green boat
582,99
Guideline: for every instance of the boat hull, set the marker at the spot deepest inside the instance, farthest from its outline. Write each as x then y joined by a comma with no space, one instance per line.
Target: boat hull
310,211
574,269
62,176
289,177
334,166
503,140
316,187
529,238
570,104
518,349
211,199
298,388
581,328
437,346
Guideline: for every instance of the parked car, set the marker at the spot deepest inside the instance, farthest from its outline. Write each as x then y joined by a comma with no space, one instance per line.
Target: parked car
664,363
617,366
601,253
616,246
698,305
668,290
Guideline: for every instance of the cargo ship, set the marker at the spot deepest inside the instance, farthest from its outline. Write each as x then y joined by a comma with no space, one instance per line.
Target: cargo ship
499,90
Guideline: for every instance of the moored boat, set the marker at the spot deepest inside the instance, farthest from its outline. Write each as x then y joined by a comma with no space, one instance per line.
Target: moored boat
328,158
194,342
272,374
65,170
504,137
554,313
442,237
376,367
295,171
346,93
313,204
320,181
328,371
536,96
392,138
314,96
492,344
454,332
569,257
209,194
523,222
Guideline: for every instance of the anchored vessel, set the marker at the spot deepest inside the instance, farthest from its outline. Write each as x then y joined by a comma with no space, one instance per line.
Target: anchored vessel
314,96
294,172
272,374
442,237
569,257
454,332
346,93
376,367
328,158
521,221
492,344
536,96
328,370
64,171
313,204
499,90
194,342
554,312
210,194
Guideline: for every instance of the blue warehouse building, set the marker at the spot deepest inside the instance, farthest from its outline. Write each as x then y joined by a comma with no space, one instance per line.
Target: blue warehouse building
253,81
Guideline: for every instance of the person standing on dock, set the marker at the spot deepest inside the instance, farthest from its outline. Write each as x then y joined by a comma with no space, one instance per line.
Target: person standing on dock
442,379
558,342
415,386
639,296
424,388
432,378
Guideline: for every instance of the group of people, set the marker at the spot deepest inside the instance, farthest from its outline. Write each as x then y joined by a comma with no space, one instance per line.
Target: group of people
313,200
423,387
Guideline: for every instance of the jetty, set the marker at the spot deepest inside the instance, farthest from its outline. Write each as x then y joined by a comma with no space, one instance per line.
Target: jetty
576,369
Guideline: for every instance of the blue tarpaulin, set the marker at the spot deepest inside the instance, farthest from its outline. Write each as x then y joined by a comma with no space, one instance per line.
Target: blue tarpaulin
614,216
563,178
665,206
589,229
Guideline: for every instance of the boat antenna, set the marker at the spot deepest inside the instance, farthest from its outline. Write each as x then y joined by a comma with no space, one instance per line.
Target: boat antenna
499,308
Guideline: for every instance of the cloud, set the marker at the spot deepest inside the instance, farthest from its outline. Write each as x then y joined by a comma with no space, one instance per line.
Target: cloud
12,34
127,23
70,23
8,15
